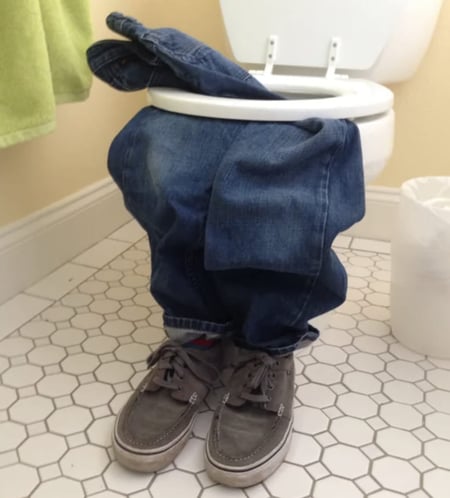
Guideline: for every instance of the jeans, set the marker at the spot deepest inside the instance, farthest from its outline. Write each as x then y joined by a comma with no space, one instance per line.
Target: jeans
240,215
167,57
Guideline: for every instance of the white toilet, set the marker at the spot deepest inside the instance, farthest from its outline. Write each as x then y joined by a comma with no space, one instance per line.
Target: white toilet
328,57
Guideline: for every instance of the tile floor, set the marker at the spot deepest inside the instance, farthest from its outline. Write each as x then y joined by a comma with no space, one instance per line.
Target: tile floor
372,419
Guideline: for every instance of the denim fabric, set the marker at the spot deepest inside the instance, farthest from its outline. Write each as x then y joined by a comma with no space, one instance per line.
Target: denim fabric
240,215
167,57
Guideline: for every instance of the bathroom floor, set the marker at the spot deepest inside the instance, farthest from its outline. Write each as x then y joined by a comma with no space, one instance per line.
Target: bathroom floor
371,418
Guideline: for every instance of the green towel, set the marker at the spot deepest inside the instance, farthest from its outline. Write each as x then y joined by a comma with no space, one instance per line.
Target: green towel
42,63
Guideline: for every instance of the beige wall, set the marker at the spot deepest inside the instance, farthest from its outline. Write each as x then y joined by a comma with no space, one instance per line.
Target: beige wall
38,173
422,106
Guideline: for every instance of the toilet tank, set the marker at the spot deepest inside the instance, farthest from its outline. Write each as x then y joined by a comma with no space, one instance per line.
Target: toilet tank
379,40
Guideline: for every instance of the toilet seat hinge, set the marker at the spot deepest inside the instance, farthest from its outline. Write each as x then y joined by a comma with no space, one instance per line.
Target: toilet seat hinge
333,58
271,54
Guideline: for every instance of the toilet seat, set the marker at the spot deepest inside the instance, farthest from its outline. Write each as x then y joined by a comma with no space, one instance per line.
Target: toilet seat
332,98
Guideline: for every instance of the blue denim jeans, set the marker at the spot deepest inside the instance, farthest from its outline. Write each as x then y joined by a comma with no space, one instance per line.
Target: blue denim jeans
240,215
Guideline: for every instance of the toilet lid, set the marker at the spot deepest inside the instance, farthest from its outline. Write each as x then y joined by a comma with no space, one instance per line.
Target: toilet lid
319,98
305,28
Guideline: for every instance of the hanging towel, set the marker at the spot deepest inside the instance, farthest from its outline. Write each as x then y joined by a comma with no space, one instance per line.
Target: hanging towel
42,63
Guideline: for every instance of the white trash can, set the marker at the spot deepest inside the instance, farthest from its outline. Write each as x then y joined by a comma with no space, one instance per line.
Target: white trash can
420,282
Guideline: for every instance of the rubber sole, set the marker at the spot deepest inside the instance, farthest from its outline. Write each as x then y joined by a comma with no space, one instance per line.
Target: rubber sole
238,478
153,460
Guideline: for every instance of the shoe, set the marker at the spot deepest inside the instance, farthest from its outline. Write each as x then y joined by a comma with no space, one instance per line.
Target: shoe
251,429
156,422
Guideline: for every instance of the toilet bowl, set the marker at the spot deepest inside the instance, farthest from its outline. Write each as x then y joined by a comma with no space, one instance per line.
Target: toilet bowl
366,103
356,46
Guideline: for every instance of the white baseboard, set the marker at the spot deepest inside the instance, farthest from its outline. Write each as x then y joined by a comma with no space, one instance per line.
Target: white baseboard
381,212
38,244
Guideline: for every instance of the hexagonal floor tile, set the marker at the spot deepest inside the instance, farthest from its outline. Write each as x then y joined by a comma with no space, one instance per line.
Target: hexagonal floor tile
134,313
289,481
133,353
80,363
46,355
42,449
94,394
309,420
224,492
398,443
401,416
396,475
104,306
439,400
352,431
86,321
437,483
117,328
122,480
7,397
11,435
439,378
100,431
345,461
69,420
403,392
22,375
336,487
60,487
405,370
369,344
316,395
438,424
37,329
361,382
329,354
100,344
438,452
323,374
15,346
191,458
84,462
366,362
114,372
68,337
30,410
17,481
357,405
59,384
303,450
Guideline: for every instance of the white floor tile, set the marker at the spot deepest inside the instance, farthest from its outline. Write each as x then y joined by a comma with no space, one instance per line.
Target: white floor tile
131,232
19,310
61,281
102,253
342,241
361,397
371,245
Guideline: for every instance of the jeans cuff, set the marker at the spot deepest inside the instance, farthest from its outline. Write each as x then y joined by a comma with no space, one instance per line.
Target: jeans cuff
183,329
305,340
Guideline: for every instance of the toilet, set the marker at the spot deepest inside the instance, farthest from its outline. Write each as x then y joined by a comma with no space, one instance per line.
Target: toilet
329,58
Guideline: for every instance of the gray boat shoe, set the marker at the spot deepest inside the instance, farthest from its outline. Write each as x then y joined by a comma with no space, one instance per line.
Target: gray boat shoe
252,427
156,422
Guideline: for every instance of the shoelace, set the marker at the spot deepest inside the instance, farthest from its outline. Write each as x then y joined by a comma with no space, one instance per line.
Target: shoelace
172,359
260,379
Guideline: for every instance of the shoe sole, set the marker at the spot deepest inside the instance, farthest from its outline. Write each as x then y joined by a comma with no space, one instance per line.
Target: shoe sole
150,461
243,478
